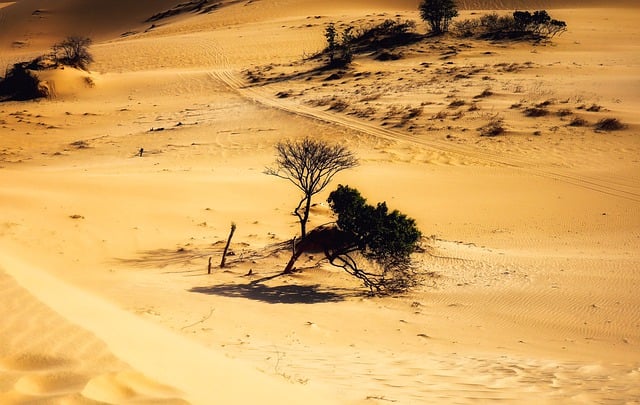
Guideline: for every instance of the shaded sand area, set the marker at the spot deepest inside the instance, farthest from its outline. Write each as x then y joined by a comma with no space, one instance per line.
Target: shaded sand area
531,237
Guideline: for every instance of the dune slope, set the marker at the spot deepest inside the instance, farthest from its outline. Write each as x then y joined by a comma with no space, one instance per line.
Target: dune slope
117,192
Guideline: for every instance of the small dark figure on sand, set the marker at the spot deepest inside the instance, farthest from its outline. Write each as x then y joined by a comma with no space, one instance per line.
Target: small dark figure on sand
141,152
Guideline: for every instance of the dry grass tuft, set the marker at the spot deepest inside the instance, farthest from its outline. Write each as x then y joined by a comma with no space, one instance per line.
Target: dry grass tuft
494,127
535,112
339,105
578,122
609,124
485,93
456,103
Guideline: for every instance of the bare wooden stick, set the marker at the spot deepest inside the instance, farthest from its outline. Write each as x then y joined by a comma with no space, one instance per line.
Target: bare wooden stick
209,266
224,254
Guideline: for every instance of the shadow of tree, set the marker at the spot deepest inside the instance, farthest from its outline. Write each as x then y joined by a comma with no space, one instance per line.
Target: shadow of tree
161,258
282,294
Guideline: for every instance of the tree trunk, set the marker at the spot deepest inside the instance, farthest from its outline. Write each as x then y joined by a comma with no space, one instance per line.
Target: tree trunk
224,254
297,252
305,217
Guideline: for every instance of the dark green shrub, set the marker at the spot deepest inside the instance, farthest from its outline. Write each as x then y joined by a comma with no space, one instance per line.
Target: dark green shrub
385,238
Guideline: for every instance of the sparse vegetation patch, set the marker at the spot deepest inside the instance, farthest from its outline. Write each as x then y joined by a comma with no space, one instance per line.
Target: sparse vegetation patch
21,81
535,112
521,25
382,38
494,127
578,122
609,124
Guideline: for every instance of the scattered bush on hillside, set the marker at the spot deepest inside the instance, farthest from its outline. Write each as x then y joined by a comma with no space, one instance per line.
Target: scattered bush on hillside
492,128
193,6
521,25
386,35
343,45
578,122
535,112
21,83
485,93
456,103
609,124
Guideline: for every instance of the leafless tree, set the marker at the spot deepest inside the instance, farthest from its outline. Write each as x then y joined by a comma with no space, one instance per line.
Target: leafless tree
73,51
309,165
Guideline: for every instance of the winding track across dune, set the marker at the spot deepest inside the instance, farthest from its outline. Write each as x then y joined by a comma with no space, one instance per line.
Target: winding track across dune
610,187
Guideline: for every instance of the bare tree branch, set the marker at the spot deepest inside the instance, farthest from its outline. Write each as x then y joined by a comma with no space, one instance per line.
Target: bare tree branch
310,165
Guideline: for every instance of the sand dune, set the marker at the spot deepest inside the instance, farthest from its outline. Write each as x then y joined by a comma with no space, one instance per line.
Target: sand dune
530,291
35,24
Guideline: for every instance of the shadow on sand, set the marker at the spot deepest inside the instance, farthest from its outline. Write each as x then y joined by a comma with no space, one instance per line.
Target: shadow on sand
281,294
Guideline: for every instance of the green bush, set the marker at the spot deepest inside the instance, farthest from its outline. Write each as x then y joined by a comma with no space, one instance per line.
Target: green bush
386,238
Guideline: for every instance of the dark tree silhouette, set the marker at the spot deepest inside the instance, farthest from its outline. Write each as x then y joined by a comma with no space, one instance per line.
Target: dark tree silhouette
73,51
339,45
309,165
330,34
438,13
20,83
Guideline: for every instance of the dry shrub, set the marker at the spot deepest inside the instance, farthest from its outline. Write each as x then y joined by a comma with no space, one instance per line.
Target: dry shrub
578,122
339,105
609,124
456,103
535,112
494,127
473,107
371,97
545,103
413,112
322,101
385,56
440,115
80,144
564,112
485,93
363,112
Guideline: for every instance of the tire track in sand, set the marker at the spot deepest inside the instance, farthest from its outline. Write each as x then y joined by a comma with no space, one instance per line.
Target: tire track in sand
231,79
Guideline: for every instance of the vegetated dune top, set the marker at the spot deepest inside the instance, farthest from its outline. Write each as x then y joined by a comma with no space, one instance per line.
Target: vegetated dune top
28,25
35,24
539,4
